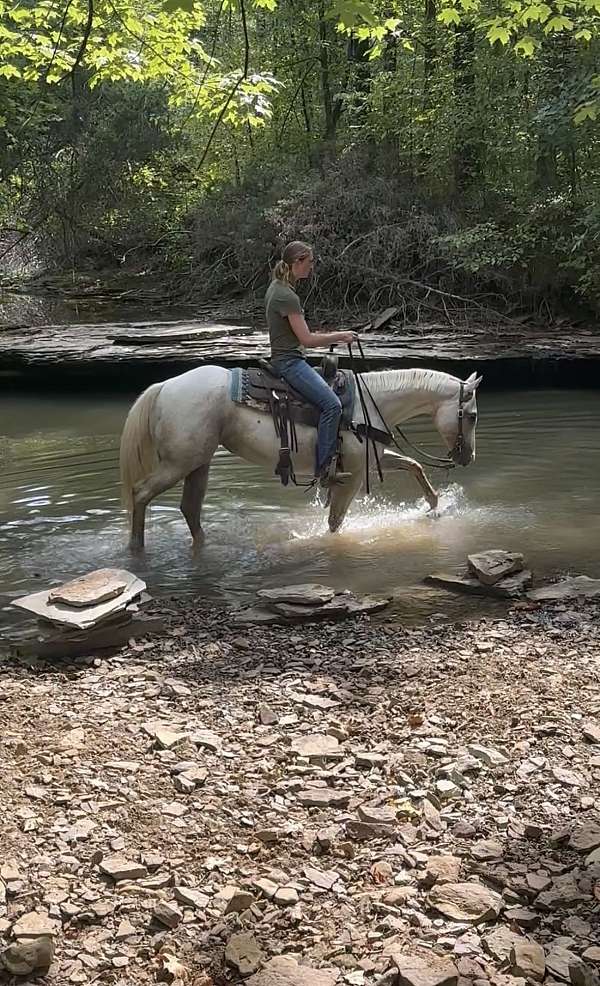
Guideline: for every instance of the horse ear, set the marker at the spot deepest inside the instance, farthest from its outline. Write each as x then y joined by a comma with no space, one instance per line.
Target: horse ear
473,382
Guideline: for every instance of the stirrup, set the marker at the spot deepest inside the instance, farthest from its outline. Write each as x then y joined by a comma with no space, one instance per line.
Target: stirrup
333,477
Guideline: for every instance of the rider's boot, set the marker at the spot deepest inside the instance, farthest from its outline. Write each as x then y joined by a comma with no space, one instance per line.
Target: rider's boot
332,476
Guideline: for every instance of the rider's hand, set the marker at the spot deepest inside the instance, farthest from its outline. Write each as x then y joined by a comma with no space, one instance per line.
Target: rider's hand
348,337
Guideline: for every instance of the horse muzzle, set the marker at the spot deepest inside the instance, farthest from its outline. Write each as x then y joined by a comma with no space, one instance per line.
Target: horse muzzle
462,456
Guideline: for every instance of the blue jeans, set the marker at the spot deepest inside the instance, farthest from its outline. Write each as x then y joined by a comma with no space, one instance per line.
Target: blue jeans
303,378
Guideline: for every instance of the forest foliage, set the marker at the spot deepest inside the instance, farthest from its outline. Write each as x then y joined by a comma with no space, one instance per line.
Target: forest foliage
433,151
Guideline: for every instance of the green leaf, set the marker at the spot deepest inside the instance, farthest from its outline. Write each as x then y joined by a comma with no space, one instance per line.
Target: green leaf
498,33
525,46
448,16
557,24
8,71
586,112
350,13
538,12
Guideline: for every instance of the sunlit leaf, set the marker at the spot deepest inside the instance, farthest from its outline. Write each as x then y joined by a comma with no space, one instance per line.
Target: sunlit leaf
586,112
498,33
525,46
449,16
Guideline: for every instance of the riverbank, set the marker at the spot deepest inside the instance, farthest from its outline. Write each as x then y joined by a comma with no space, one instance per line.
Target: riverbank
120,354
349,795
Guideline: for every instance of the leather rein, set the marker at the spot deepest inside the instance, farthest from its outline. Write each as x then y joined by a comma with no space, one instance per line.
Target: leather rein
434,461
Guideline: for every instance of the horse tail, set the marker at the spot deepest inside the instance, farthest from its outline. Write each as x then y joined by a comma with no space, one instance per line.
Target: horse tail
138,454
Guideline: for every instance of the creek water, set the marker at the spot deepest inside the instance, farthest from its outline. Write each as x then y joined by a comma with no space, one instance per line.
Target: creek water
534,487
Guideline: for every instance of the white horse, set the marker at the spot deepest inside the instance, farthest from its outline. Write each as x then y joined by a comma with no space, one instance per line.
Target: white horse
174,429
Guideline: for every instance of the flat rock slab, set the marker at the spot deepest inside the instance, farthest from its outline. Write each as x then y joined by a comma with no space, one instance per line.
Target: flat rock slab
500,942
180,333
107,636
341,605
82,619
243,953
585,837
35,924
527,959
325,879
377,814
510,587
187,343
323,797
559,961
93,589
466,902
591,732
120,868
317,746
366,831
441,869
306,594
257,616
27,957
579,587
563,893
488,755
426,970
492,566
486,850
284,970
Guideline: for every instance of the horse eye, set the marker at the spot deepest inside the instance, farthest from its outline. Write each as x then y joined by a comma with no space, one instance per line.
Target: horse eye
473,416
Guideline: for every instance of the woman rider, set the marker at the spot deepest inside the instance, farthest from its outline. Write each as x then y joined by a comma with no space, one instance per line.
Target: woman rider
290,336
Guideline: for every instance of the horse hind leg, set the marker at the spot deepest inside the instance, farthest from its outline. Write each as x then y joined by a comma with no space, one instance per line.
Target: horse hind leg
194,490
163,478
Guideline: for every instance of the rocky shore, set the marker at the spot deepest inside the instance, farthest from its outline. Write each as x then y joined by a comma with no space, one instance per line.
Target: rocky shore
124,354
306,806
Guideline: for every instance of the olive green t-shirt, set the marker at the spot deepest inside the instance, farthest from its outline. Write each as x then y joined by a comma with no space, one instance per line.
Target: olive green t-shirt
281,300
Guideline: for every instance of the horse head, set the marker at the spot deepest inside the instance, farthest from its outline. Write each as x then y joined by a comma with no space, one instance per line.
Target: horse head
456,420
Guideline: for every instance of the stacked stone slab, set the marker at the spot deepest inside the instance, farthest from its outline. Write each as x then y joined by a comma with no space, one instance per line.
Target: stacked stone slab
306,602
489,573
98,611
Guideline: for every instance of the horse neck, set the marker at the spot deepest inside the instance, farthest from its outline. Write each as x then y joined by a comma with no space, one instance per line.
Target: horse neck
404,394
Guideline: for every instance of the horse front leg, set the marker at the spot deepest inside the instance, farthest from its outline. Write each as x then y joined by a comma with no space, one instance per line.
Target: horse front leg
341,496
392,460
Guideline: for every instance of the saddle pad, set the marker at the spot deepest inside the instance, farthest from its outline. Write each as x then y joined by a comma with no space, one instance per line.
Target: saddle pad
254,387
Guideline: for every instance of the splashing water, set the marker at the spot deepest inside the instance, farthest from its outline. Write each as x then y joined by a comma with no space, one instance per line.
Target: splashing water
376,518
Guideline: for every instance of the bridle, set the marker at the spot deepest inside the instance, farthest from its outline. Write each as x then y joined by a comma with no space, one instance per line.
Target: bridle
447,461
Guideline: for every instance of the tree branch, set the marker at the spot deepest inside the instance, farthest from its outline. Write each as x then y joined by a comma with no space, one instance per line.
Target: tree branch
235,88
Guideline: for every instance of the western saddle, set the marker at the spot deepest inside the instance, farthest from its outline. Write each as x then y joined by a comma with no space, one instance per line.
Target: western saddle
262,386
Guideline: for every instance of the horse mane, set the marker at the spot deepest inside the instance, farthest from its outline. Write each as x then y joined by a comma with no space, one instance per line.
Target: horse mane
430,381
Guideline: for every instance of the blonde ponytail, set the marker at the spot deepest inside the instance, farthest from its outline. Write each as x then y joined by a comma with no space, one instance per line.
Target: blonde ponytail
294,251
281,272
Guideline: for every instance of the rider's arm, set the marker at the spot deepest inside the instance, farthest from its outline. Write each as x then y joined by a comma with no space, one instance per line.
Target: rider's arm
313,339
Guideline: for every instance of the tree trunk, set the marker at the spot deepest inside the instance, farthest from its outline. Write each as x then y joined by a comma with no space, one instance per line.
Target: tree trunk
467,145
329,116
